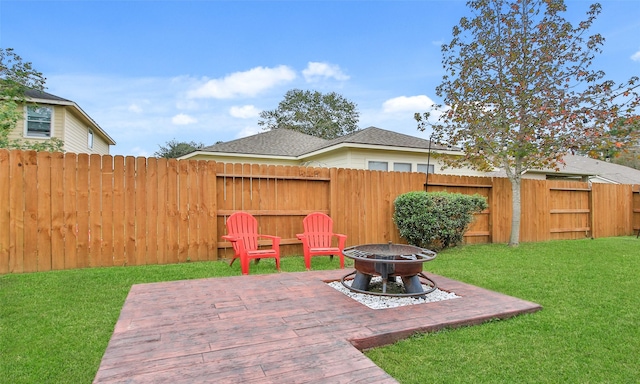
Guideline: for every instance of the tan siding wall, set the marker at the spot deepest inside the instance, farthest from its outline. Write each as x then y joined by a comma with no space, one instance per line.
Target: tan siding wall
75,135
359,159
100,146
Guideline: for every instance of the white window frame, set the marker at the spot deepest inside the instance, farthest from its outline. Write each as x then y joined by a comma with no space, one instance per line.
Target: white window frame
90,138
26,122
400,164
431,170
379,162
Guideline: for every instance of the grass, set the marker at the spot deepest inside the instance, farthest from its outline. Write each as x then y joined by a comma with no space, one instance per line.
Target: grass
587,332
55,326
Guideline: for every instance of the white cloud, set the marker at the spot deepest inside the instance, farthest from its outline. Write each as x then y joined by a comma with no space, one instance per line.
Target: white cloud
636,56
244,112
420,103
248,131
248,83
316,71
135,108
182,119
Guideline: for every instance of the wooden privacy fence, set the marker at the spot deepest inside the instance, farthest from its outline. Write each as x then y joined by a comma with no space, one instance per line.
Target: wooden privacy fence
64,211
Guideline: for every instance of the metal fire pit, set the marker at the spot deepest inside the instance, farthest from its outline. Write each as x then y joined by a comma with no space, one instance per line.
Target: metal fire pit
389,261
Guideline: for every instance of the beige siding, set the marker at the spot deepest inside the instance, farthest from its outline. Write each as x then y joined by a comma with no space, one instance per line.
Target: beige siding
100,145
77,137
359,159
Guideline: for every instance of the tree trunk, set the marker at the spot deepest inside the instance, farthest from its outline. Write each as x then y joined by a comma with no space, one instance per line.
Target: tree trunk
514,240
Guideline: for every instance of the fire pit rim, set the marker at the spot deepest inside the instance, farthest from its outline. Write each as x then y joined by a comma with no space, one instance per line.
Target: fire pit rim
422,254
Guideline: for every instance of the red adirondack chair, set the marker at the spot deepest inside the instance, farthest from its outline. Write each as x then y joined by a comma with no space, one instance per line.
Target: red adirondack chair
317,239
242,232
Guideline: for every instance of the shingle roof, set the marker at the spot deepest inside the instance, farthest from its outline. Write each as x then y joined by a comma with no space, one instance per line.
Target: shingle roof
378,136
277,142
586,166
35,94
285,142
610,171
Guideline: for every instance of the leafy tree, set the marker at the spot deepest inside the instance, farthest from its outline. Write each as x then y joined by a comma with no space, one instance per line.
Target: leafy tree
323,115
628,158
519,92
16,77
175,149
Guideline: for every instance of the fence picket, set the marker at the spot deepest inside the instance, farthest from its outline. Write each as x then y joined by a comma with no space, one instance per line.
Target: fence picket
44,218
31,197
107,211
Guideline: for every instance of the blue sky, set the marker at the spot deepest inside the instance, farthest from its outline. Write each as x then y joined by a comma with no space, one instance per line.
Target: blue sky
152,71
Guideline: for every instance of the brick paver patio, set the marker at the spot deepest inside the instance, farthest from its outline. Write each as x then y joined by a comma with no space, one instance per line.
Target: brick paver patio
277,328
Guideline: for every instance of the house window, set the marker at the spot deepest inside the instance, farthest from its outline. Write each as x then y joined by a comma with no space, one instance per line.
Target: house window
402,167
90,138
423,168
378,166
39,121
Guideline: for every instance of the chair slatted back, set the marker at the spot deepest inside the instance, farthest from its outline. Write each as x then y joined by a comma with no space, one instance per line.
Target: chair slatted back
319,229
245,226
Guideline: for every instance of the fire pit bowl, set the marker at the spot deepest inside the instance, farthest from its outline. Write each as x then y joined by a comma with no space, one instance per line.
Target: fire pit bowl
389,261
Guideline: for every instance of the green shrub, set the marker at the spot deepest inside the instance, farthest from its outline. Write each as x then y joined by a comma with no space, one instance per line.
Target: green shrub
435,220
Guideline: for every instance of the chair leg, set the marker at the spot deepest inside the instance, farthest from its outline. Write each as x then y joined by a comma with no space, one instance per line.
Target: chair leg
244,265
307,262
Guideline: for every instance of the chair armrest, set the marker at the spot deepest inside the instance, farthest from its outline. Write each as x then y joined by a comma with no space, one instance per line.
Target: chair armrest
231,238
301,236
275,239
342,239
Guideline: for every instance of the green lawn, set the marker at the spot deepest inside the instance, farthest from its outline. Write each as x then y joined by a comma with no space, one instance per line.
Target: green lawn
55,326
587,332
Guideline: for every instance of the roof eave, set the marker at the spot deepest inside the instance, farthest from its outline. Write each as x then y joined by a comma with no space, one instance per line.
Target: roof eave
378,147
238,155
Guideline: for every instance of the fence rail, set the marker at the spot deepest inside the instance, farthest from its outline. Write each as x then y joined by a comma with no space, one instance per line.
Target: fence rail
65,211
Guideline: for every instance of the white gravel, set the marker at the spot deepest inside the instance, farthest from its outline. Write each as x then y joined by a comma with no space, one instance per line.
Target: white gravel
382,302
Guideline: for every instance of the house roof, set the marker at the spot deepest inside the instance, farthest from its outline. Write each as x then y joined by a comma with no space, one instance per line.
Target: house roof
285,142
48,98
42,95
616,173
383,137
585,166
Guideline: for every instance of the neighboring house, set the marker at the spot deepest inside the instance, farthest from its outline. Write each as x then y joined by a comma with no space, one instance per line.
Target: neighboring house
581,168
379,149
370,148
599,171
47,116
